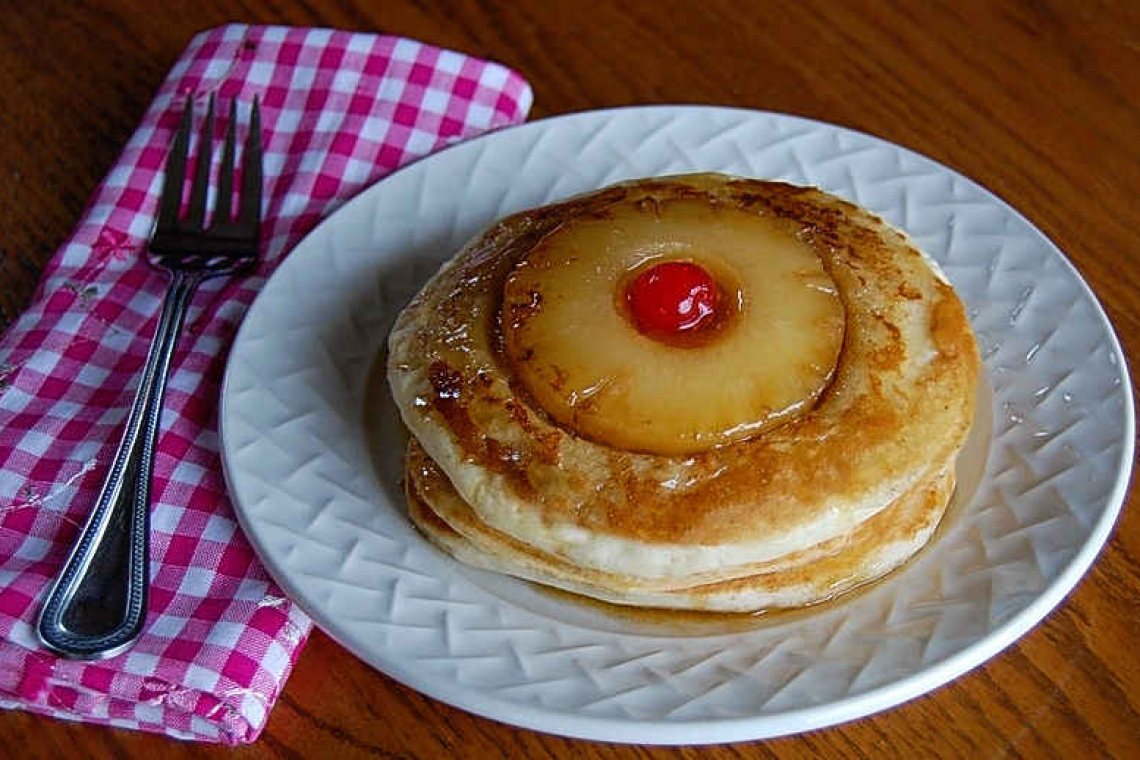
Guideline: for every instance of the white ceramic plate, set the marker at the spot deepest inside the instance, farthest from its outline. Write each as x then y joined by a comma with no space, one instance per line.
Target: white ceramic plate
327,518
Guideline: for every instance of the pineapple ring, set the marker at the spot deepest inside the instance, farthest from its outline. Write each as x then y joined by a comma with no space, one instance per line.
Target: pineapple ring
574,346
898,406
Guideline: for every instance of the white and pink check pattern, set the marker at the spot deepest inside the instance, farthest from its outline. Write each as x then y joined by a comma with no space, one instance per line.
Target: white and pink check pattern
339,111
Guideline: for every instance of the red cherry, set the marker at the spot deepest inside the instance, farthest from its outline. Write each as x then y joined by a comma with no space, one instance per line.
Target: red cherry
672,297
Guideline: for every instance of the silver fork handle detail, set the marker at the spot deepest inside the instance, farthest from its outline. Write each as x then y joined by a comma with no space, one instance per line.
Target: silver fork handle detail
72,623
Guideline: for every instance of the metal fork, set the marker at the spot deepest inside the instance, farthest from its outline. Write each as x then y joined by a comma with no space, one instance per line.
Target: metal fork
97,606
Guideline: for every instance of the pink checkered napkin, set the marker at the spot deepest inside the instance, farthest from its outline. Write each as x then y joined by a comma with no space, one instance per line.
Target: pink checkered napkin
339,110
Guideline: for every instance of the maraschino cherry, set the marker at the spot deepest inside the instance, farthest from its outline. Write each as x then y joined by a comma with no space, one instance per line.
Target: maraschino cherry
672,297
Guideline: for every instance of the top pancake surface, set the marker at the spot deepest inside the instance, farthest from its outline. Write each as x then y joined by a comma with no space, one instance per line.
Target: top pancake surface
900,403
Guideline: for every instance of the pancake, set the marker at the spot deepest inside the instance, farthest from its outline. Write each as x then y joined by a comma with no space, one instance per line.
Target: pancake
893,411
806,577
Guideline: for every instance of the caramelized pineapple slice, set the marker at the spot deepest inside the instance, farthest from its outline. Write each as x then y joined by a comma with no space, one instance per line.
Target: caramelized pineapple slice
764,356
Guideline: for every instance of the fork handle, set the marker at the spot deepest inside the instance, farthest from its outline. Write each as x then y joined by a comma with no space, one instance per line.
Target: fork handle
73,622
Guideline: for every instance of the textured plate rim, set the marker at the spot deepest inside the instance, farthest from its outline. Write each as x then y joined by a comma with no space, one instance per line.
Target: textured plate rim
707,730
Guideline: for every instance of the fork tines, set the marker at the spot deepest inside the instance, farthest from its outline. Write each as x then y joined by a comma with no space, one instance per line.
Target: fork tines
222,226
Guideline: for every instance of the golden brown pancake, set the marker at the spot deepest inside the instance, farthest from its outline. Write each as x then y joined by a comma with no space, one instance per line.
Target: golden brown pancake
809,576
896,408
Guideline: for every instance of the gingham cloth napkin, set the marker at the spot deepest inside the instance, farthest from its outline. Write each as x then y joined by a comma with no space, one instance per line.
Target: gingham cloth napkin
339,111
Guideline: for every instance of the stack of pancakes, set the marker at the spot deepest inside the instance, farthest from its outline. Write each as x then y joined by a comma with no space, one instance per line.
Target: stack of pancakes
687,475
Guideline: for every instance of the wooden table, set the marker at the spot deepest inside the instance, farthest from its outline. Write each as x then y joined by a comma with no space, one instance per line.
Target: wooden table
1038,101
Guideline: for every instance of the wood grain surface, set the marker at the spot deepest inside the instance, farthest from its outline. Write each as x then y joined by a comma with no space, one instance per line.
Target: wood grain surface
1038,101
